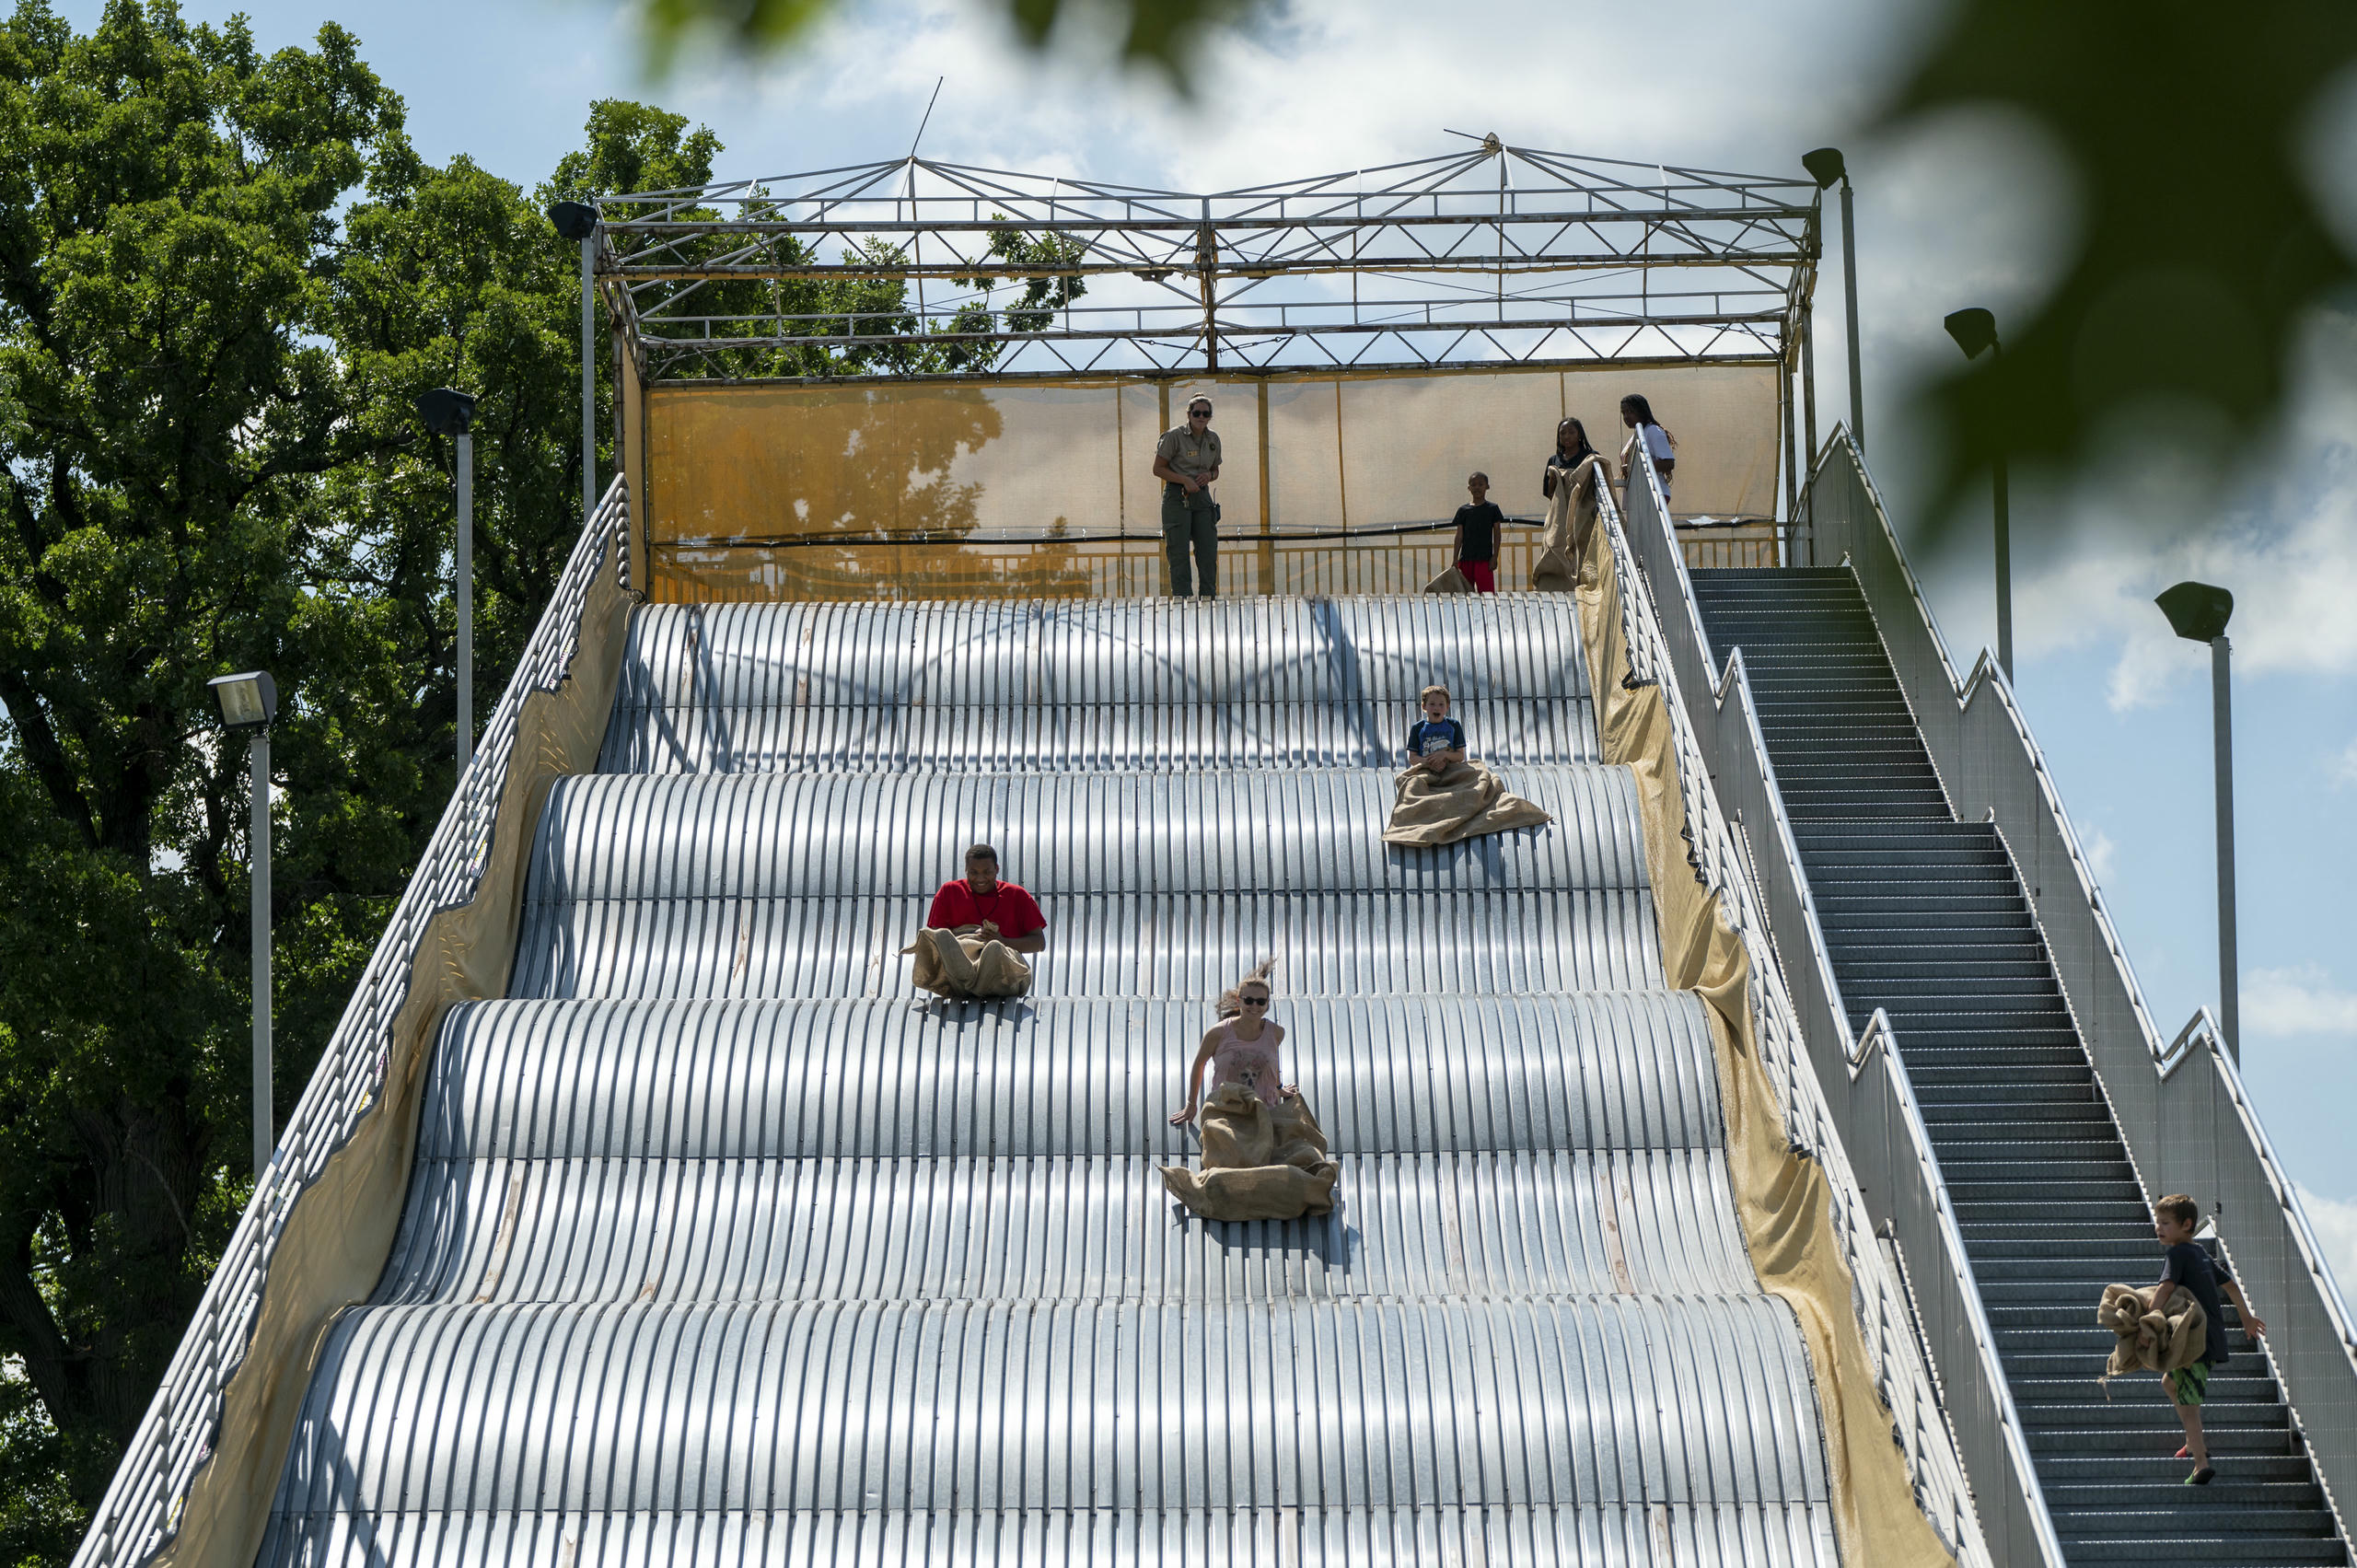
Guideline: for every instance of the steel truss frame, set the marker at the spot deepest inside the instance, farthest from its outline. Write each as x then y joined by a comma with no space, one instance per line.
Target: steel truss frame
1493,256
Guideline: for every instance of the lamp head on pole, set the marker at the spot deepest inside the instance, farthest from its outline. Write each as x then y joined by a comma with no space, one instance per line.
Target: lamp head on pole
249,701
574,220
1825,166
1974,329
445,411
2196,611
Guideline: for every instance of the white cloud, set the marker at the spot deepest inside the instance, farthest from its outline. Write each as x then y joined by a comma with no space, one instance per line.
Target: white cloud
2343,766
2335,1222
2298,1001
2282,535
2102,853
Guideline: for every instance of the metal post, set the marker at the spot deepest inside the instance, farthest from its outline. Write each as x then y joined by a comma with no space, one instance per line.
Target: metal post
588,381
2005,571
1808,459
257,894
2222,726
466,594
1849,299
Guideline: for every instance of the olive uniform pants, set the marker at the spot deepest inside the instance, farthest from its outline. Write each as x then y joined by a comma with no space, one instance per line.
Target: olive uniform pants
1190,520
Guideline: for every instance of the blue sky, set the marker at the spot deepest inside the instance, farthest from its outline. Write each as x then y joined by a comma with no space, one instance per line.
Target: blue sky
1972,208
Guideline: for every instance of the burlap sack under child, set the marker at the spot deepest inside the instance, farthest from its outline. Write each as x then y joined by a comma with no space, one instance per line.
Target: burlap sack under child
1260,1161
2150,1341
1462,801
1570,517
963,968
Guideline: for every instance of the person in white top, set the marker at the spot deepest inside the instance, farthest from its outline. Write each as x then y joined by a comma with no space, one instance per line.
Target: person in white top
1638,415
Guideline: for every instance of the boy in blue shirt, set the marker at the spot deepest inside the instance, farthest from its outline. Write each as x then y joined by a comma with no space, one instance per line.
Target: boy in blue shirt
2187,1265
1435,740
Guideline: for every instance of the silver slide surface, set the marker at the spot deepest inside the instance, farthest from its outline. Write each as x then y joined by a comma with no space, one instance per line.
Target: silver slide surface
724,1244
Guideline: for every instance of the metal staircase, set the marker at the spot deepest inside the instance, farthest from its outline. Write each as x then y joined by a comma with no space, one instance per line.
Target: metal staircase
1924,918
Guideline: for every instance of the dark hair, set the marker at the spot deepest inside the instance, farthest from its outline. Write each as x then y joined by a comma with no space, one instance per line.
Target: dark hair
1644,411
2179,1207
982,852
1584,449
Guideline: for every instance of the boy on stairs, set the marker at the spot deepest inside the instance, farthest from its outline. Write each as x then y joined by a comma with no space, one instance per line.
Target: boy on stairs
2187,1265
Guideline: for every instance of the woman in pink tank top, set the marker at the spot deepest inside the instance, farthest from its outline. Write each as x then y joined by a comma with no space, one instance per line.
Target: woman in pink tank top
1241,1049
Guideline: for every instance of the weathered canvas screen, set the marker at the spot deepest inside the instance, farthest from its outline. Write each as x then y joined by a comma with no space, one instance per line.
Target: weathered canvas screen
935,488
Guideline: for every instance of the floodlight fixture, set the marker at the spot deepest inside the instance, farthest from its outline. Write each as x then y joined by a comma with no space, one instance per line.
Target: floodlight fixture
575,221
1826,166
2197,612
445,411
249,701
1974,329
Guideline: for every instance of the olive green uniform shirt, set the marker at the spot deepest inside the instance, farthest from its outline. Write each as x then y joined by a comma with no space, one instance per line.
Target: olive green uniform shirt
1188,453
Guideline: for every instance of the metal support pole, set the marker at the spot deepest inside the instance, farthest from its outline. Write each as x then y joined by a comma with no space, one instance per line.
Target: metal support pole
589,381
1850,300
2004,570
465,595
257,895
2222,726
1808,554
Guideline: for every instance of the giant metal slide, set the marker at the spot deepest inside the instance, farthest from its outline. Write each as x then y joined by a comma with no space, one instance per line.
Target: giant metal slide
716,1243
722,1244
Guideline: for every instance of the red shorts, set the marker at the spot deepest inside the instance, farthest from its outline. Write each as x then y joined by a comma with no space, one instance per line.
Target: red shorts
1480,575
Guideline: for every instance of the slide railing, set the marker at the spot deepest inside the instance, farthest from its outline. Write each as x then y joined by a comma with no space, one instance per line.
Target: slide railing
1875,1118
1962,1425
2181,1106
141,1509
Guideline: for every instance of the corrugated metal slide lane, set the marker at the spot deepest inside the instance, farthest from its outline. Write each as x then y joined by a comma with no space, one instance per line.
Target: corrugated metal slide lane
724,1244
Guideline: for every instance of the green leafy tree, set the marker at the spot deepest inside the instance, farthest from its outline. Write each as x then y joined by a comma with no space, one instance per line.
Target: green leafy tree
224,278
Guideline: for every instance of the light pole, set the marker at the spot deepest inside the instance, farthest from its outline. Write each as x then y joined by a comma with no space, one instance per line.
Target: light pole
248,702
2199,614
1975,330
1825,166
578,221
449,412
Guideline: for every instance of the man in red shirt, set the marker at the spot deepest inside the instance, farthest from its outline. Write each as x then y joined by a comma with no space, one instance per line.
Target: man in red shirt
979,904
974,932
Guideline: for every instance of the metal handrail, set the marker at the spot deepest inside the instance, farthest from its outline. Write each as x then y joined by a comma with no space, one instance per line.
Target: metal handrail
141,1510
1895,1336
1884,1124
2177,1104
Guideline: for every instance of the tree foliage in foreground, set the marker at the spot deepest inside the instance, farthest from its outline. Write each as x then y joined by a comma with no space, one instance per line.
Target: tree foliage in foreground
2204,243
225,277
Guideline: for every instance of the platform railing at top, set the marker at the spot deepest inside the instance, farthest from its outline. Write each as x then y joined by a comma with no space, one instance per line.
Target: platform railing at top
141,1512
1998,1517
2181,1106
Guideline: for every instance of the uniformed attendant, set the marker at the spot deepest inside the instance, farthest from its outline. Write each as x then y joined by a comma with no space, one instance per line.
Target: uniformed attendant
1187,461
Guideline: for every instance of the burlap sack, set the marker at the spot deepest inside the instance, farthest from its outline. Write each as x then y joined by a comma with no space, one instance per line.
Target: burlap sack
1260,1162
1449,582
2150,1341
963,968
1571,519
1462,801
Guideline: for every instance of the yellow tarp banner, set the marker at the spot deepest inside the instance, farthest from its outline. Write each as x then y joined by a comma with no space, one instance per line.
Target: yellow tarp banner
1781,1199
933,487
